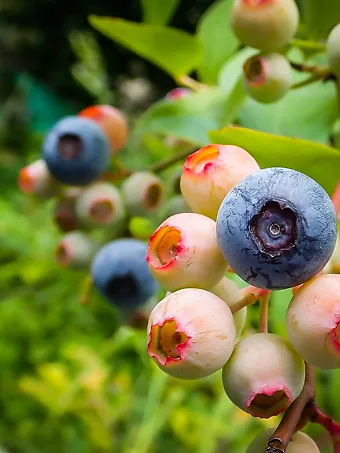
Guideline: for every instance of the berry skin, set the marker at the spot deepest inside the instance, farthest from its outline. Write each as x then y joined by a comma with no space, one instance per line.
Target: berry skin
75,250
264,375
183,253
313,321
265,24
210,173
142,193
100,205
76,151
267,78
65,215
113,123
299,443
119,271
333,49
36,179
277,228
230,293
191,334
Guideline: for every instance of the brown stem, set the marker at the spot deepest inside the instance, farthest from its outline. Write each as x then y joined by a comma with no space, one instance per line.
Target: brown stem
313,78
280,439
333,427
264,307
163,164
320,71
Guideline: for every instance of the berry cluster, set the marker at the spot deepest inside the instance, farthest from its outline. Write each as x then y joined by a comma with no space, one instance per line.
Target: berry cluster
275,228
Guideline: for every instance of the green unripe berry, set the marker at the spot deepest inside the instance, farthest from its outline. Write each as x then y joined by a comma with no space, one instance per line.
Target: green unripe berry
265,24
333,49
267,77
299,443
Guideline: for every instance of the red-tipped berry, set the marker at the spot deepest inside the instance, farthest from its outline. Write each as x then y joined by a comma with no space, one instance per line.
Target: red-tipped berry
191,334
75,250
210,173
313,321
264,375
183,252
267,78
37,180
65,215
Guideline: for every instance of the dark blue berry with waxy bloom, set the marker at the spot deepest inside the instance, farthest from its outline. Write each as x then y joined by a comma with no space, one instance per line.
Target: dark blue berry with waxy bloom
277,228
120,272
76,151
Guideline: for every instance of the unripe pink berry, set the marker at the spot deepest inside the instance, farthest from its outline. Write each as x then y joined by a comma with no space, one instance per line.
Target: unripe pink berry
183,253
210,173
265,24
142,193
178,93
267,78
174,205
264,375
65,215
230,293
333,49
100,205
76,250
333,265
191,334
36,179
313,321
299,443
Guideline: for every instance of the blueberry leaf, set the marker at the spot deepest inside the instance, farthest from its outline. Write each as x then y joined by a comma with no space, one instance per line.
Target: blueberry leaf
158,12
320,162
218,39
175,51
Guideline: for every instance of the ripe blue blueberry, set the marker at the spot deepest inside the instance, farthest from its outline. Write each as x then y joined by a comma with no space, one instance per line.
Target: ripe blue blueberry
277,228
120,272
76,151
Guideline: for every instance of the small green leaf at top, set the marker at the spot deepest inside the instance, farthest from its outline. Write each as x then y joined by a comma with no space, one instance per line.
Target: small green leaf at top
175,51
320,162
158,12
218,39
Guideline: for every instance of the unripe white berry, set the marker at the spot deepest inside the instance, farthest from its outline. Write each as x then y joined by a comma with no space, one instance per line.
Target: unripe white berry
313,321
183,253
264,375
191,333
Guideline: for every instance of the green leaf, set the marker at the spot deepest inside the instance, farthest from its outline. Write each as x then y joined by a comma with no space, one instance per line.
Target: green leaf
232,70
158,12
175,51
219,42
308,112
320,162
189,118
320,17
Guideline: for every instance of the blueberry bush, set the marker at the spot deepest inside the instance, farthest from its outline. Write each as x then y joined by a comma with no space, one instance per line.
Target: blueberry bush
171,279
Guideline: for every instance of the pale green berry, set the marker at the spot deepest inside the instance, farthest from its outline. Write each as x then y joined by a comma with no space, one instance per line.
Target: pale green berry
267,77
76,250
299,443
333,49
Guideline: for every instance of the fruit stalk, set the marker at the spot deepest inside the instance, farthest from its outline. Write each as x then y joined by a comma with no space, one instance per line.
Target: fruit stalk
86,291
317,416
251,295
280,439
264,307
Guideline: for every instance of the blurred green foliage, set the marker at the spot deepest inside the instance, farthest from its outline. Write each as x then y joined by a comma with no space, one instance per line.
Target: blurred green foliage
73,377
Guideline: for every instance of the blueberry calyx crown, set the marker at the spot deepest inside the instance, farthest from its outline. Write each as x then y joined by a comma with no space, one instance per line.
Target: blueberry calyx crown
70,146
274,228
124,286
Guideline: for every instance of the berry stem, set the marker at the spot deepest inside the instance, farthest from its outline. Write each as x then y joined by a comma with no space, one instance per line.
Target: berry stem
333,428
86,292
264,307
280,439
163,164
313,78
322,72
308,45
191,83
251,294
